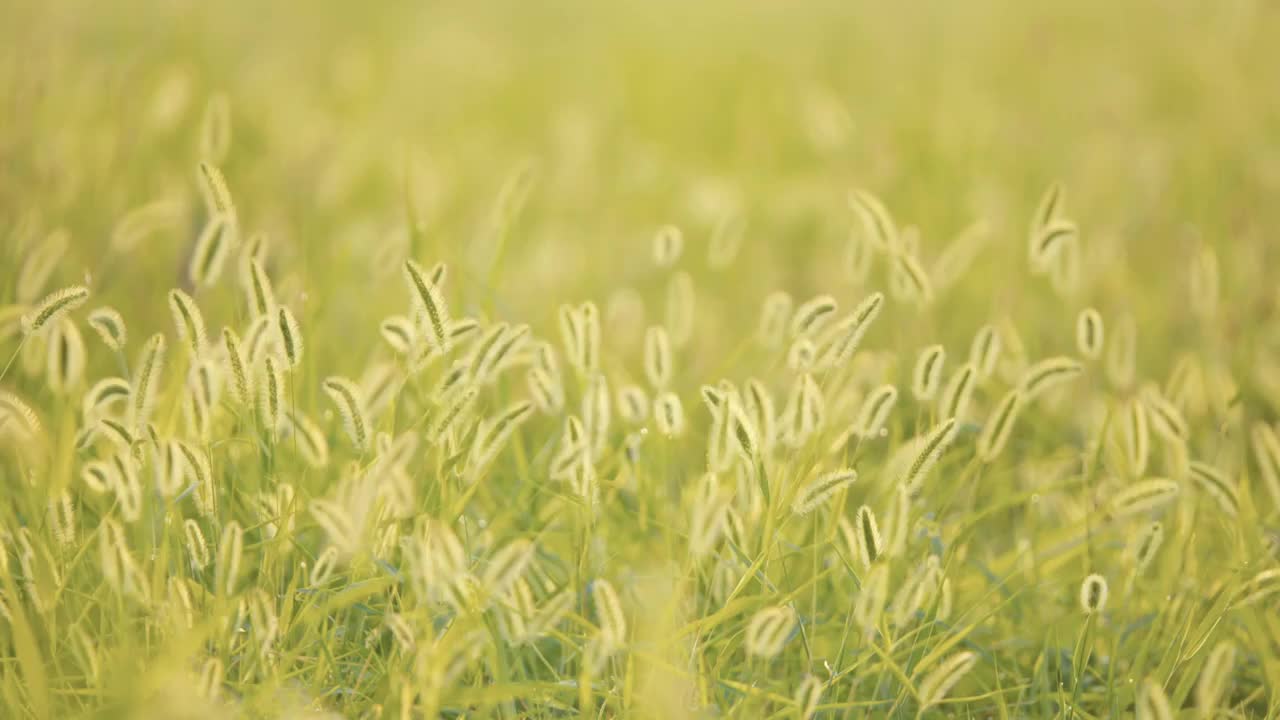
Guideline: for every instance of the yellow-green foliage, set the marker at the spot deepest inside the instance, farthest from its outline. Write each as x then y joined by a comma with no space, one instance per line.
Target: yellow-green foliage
656,360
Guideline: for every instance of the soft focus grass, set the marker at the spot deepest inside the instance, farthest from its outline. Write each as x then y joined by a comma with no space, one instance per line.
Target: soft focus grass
535,148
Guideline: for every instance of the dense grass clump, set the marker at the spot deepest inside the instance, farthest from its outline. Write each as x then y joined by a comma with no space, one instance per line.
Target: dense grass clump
551,360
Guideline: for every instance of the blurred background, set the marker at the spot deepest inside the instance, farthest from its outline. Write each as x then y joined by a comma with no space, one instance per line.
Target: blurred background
537,146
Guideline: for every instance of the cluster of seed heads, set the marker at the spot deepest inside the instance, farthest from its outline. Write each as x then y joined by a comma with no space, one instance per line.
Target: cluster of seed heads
228,447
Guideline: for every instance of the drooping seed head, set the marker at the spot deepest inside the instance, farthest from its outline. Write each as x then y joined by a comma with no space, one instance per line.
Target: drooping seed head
775,317
1166,419
877,225
633,404
1152,702
768,631
1218,485
1145,546
927,374
399,332
816,493
258,288
1136,433
867,545
1048,374
758,403
802,355
1089,333
290,336
841,341
1122,352
935,686
197,547
1215,678
807,696
609,613
1051,243
146,379
668,414
680,308
935,444
955,397
507,566
909,279
1143,496
212,247
271,397
430,306
657,357
110,327
347,396
188,321
1093,594
230,555
217,195
239,366
726,240
875,411
52,307
813,315
668,243
999,426
66,357
985,351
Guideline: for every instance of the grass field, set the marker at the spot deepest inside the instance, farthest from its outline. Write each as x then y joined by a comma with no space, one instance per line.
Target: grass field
655,360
